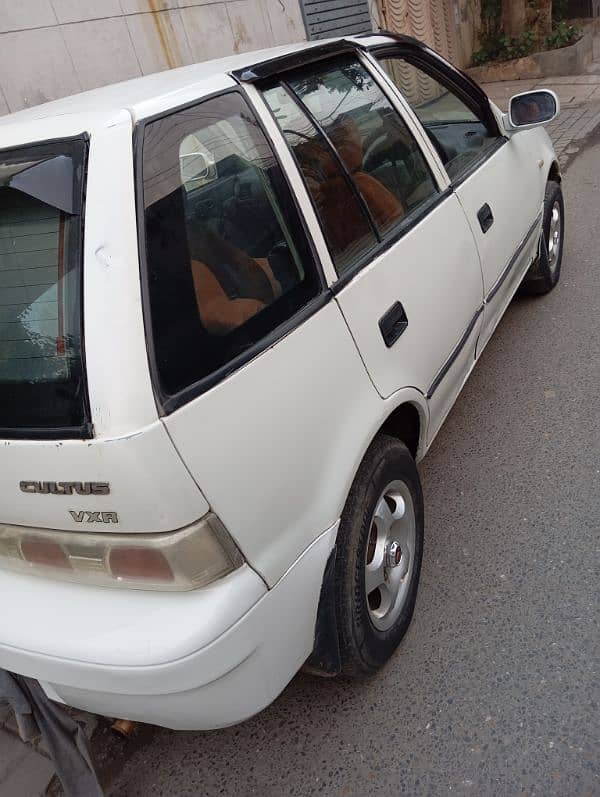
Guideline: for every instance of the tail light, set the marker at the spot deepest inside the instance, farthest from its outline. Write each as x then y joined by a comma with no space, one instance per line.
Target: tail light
46,553
179,560
140,563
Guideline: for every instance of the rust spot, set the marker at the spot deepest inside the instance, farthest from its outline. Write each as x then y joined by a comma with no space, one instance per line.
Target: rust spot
241,37
165,32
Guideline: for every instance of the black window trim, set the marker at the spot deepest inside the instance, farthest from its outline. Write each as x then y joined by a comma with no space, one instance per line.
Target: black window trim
85,430
368,252
430,62
167,403
274,67
404,225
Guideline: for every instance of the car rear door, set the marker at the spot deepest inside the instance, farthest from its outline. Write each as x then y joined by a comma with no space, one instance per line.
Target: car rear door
496,179
408,279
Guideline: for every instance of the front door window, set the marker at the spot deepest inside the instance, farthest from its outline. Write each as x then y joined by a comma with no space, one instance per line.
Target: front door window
457,130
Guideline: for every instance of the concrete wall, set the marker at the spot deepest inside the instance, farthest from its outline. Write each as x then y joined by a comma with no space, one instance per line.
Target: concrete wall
52,48
571,60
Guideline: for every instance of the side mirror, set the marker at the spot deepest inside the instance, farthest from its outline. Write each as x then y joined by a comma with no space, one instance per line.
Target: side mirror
530,109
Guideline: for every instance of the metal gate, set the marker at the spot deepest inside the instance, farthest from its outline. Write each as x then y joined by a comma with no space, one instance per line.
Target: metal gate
325,18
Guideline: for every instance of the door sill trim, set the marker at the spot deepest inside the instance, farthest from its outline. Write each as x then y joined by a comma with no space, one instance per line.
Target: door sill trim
454,354
512,262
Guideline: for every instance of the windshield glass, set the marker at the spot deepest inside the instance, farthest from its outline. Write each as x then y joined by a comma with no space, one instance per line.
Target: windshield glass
42,391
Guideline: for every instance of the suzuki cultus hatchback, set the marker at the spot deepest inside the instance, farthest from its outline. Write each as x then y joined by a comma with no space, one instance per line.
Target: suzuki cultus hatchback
237,301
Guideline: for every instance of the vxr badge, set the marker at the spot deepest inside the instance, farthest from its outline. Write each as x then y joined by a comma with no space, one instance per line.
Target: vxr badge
94,517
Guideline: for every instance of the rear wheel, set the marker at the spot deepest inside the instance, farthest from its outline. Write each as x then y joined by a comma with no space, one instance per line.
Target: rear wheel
379,552
545,272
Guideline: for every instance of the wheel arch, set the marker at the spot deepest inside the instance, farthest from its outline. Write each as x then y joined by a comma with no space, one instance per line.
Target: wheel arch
406,423
405,416
554,172
406,419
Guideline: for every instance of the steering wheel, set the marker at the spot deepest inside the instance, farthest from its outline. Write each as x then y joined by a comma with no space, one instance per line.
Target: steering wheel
378,144
372,147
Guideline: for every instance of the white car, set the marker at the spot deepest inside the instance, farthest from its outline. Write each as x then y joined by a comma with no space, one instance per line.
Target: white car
237,301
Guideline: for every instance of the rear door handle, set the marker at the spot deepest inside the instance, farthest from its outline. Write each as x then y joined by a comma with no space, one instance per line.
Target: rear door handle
392,324
486,217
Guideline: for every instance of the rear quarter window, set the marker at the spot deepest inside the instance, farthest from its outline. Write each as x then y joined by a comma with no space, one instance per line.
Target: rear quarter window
227,261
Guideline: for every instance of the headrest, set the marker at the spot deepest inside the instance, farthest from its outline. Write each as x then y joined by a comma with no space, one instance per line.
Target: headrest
318,162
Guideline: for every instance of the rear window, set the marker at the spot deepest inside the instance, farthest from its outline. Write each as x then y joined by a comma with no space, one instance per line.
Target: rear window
42,390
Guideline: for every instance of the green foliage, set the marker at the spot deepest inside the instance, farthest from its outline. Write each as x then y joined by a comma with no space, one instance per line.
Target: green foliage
495,46
562,35
479,57
504,48
489,50
519,46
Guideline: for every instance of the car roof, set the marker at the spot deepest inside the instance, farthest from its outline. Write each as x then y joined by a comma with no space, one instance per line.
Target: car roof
146,95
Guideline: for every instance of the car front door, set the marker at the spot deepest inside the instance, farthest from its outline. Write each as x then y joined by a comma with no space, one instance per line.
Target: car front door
496,179
408,279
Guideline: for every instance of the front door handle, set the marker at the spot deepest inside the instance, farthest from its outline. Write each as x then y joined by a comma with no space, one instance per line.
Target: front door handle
486,217
392,324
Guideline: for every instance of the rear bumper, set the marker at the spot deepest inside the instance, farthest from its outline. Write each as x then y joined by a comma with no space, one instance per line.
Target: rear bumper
198,660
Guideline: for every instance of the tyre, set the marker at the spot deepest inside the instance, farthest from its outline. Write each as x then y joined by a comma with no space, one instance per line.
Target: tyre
544,274
378,560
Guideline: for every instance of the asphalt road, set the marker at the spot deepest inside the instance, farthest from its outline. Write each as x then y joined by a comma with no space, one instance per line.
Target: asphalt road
495,689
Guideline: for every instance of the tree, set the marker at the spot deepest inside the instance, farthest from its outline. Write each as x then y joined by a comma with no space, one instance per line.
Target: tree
544,17
519,15
514,17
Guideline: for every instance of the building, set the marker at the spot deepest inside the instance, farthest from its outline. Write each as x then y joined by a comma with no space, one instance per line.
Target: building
52,48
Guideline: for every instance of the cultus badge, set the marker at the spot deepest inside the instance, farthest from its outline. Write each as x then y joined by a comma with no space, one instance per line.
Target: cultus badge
65,488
